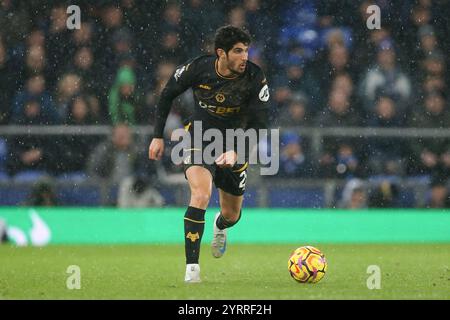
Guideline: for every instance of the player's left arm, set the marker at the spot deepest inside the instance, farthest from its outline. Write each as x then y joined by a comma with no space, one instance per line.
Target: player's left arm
258,112
259,104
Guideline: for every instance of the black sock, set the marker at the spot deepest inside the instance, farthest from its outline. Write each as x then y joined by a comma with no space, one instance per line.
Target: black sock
194,224
222,223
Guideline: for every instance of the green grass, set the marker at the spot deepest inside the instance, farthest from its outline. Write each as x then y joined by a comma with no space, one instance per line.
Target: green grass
245,272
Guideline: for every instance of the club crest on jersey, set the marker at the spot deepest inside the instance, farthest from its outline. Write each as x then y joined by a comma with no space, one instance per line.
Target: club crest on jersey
220,97
264,93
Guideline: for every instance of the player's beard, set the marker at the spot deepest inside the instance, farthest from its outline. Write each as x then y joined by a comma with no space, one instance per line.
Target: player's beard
234,68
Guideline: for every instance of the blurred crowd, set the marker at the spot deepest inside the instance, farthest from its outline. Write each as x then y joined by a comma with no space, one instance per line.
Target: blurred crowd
324,66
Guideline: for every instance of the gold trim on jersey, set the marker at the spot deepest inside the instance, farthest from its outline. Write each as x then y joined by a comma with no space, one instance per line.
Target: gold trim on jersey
242,168
204,86
216,64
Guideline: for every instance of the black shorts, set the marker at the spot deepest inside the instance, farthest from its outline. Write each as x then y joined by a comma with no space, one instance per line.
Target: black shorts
231,180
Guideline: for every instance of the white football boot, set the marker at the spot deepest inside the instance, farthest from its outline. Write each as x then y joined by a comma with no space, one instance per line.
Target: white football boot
192,273
219,241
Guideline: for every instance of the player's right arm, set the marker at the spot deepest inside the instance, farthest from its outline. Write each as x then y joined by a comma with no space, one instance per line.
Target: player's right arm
180,81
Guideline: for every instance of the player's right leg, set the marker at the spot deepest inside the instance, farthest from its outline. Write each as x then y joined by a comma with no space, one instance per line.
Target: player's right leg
200,183
229,215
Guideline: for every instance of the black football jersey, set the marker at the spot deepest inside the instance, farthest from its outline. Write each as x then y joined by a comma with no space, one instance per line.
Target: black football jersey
220,102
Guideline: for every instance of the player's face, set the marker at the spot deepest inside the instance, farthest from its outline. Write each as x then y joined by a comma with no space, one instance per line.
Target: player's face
237,58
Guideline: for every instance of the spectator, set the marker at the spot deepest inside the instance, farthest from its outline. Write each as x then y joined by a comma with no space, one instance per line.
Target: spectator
444,164
30,153
426,152
339,112
36,38
33,113
138,192
76,148
428,41
297,79
386,156
293,161
163,73
15,22
108,40
80,112
385,195
354,195
386,113
236,17
42,195
339,160
420,16
338,62
296,113
114,159
35,61
69,86
439,195
200,26
57,36
344,83
386,78
83,66
432,84
8,80
367,45
434,64
123,104
255,15
34,90
170,47
33,152
83,37
174,35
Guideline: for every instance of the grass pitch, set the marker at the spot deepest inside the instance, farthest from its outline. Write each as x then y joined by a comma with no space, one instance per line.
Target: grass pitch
245,272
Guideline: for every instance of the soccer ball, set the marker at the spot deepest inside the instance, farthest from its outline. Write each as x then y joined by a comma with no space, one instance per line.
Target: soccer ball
307,265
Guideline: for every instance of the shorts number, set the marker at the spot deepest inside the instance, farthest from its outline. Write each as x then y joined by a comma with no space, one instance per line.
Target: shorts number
243,175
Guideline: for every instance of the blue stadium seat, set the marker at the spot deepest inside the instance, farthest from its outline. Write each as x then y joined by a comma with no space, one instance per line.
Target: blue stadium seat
296,197
13,195
299,13
3,154
406,199
419,179
79,196
168,195
250,198
113,195
74,176
4,177
30,176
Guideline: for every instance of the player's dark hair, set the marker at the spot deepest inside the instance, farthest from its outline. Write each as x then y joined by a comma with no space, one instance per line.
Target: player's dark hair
227,36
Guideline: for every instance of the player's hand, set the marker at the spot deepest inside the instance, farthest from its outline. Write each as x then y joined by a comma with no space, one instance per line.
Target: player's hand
156,149
227,159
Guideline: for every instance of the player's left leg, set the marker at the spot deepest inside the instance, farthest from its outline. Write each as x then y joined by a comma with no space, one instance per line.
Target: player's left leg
229,215
200,184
